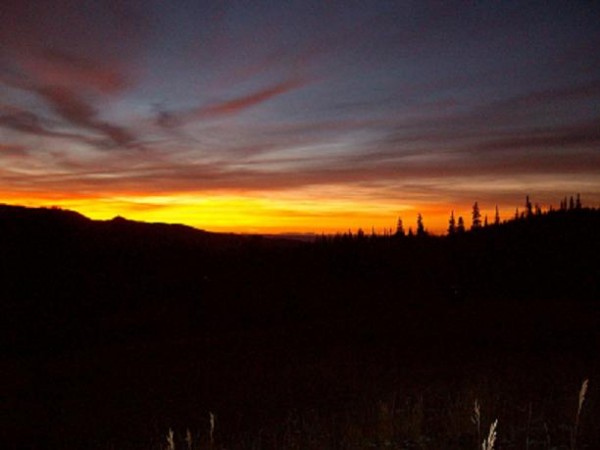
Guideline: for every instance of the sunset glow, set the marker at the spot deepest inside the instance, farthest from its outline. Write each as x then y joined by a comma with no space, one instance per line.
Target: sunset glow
301,116
264,213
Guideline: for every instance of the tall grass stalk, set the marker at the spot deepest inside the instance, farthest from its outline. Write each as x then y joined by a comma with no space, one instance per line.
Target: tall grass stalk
488,444
582,392
170,440
188,438
211,417
476,418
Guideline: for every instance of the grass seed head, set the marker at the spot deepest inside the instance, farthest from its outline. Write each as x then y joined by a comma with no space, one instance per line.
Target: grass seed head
488,444
582,392
170,440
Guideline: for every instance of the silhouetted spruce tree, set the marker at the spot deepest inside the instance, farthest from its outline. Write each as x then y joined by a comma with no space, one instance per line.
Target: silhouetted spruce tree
410,232
476,215
451,224
485,221
420,226
460,226
563,204
578,202
497,217
360,234
571,203
400,228
528,207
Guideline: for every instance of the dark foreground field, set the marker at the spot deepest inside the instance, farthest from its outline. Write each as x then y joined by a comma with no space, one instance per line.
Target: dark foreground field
115,332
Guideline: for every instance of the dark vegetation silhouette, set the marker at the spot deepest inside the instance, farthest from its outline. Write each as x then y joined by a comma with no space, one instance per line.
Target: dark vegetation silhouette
476,215
113,331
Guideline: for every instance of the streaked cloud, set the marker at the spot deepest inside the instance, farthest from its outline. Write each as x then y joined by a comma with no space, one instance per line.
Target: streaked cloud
227,107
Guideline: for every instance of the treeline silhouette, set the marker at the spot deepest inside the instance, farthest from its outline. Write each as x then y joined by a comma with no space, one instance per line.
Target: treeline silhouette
227,312
67,280
456,225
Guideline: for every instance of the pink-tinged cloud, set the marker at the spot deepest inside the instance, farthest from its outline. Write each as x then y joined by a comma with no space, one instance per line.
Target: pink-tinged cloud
71,107
12,150
26,122
59,68
63,81
237,105
67,104
23,121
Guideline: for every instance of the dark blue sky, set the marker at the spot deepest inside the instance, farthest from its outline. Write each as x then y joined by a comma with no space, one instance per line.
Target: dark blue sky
314,110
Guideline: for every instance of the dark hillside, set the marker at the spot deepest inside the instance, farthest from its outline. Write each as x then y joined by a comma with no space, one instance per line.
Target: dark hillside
552,255
65,279
113,331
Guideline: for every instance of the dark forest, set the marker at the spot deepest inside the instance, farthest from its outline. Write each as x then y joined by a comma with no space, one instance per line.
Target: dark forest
115,332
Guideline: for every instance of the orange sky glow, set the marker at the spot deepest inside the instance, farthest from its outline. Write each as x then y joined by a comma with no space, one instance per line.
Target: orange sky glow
261,213
301,116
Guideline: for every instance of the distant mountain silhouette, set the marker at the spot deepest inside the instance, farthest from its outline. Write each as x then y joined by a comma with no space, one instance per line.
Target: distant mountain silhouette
66,279
53,222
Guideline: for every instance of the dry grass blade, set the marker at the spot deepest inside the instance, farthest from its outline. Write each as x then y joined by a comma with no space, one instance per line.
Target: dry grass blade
476,418
582,392
488,444
170,440
212,428
188,438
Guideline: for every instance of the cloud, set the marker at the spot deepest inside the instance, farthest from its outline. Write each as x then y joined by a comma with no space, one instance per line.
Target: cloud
24,121
66,56
526,125
566,137
228,107
407,101
239,104
68,105
59,68
13,150
77,112
98,29
27,122
541,103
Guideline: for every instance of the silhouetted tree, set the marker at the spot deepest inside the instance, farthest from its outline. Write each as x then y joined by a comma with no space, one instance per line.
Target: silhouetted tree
563,204
497,217
400,228
420,226
485,221
460,226
451,224
476,215
410,232
571,203
578,202
528,207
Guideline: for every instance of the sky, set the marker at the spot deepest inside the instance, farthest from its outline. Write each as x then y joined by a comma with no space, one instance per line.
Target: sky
298,116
